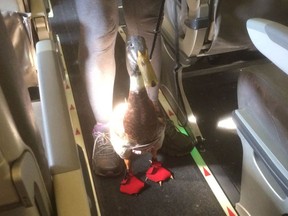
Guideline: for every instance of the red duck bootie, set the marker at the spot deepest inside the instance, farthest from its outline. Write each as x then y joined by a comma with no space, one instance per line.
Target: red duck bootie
131,184
158,173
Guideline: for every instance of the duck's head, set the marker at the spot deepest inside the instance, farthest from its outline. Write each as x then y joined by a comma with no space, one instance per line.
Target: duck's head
138,62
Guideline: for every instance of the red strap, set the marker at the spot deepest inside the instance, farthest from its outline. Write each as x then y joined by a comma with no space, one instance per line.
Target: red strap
131,184
157,173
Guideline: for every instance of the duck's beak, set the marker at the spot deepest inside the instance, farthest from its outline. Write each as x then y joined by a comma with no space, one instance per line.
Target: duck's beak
146,69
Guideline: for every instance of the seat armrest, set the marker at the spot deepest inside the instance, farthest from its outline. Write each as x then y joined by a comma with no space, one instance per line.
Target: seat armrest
70,194
271,39
69,187
58,132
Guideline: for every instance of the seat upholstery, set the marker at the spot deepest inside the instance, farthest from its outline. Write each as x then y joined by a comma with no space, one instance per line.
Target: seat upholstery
226,28
17,96
261,120
262,91
19,29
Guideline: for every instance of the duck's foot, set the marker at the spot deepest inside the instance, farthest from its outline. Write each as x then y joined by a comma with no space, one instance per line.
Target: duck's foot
158,173
131,184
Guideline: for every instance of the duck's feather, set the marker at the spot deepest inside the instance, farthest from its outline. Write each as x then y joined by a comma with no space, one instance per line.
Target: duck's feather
140,122
150,136
140,128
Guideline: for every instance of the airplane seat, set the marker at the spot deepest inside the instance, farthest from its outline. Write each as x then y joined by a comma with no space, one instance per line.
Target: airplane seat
211,38
23,159
14,16
40,172
215,27
261,120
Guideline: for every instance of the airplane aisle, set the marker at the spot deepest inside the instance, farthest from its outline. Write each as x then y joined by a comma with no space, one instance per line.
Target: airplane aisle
187,194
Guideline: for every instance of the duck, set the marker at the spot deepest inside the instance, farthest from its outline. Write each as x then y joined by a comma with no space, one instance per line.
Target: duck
137,127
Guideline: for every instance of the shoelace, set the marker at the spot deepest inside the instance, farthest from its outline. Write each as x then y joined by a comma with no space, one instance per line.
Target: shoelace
102,144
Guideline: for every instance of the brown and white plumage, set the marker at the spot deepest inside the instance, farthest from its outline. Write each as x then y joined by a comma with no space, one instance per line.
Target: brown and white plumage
140,124
140,128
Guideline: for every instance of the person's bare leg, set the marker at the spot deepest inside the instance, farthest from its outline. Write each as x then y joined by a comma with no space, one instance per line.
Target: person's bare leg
128,165
98,21
98,30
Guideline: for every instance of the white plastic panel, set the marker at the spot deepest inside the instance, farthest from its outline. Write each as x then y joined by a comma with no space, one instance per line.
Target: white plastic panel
271,39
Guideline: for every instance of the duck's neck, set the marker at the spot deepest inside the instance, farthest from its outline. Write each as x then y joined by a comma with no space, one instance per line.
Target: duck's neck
136,83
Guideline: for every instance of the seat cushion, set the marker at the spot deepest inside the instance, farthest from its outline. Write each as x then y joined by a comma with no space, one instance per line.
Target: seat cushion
262,92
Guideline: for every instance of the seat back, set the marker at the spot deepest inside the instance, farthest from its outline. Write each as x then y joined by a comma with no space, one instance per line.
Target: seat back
37,159
18,25
209,27
261,120
25,166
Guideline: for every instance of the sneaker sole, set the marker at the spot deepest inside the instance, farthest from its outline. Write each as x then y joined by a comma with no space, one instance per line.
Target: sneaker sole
108,173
